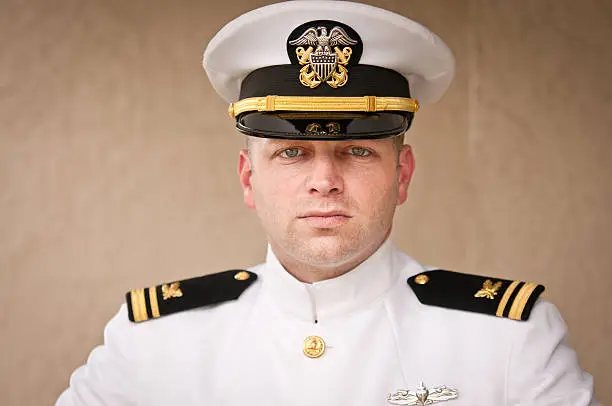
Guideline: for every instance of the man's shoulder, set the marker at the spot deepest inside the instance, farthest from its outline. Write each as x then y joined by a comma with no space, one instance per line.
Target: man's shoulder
512,299
179,296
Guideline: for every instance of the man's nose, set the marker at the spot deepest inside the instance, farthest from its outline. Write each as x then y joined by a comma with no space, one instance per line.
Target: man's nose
325,176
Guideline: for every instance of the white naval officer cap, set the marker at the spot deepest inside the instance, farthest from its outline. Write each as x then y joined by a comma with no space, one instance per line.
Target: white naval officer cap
326,69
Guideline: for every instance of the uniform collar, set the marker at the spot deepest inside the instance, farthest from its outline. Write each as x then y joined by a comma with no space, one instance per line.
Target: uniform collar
326,299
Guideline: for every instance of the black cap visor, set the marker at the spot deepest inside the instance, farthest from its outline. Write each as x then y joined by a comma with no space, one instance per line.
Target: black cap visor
324,125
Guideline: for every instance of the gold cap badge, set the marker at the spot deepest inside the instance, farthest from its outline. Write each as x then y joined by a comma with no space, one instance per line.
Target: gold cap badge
324,50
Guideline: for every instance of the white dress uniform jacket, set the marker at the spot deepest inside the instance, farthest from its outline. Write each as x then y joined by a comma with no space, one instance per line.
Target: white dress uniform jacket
379,339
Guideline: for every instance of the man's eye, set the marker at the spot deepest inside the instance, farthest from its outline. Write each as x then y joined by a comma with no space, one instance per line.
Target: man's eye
290,153
359,151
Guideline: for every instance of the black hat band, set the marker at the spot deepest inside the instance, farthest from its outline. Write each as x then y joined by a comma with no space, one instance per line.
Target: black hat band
366,80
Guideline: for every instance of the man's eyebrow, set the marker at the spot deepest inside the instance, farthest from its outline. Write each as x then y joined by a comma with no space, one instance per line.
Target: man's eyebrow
271,142
274,143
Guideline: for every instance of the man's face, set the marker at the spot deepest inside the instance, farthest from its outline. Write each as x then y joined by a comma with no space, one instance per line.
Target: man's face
325,204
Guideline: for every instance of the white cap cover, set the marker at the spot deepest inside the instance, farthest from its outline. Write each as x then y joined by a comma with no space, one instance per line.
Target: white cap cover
259,38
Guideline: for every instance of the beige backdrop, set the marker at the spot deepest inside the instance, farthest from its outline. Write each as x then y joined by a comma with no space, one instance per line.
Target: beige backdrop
117,166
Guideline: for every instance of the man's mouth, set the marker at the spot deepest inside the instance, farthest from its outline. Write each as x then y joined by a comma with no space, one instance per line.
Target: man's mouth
325,218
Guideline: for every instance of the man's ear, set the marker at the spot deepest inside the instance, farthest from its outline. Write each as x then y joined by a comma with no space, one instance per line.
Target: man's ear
405,169
245,170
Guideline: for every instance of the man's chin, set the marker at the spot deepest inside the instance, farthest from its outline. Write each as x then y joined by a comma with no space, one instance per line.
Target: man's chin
328,250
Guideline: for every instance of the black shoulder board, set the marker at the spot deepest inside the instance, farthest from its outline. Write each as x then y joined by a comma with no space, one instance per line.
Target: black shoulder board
473,293
161,300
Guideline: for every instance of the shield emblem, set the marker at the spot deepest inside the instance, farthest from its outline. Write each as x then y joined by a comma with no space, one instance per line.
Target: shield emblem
323,65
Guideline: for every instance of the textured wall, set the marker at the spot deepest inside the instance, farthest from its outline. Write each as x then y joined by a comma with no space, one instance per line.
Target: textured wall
117,166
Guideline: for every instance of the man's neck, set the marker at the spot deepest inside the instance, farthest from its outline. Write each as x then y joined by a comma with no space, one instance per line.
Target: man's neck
308,273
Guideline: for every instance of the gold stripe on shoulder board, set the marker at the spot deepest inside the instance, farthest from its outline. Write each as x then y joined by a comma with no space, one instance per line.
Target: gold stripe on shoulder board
504,300
153,300
139,306
516,311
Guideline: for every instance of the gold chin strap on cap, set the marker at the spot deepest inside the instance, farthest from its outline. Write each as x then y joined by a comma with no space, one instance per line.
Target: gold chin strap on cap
368,104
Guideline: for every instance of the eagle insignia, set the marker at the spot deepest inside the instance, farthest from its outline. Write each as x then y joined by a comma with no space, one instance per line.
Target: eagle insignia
172,290
489,290
322,57
422,396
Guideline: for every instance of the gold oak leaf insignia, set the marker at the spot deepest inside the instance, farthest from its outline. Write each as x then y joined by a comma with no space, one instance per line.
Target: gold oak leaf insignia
172,291
489,290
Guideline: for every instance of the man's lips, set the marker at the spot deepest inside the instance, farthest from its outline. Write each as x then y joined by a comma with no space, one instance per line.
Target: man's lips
326,213
325,219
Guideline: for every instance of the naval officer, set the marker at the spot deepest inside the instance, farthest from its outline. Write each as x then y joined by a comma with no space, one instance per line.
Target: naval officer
336,315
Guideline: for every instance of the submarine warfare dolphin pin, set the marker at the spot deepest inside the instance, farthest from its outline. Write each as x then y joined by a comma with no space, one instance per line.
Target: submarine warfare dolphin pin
422,396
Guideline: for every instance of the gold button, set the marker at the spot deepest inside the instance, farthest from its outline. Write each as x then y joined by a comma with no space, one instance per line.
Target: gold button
421,279
242,276
314,346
